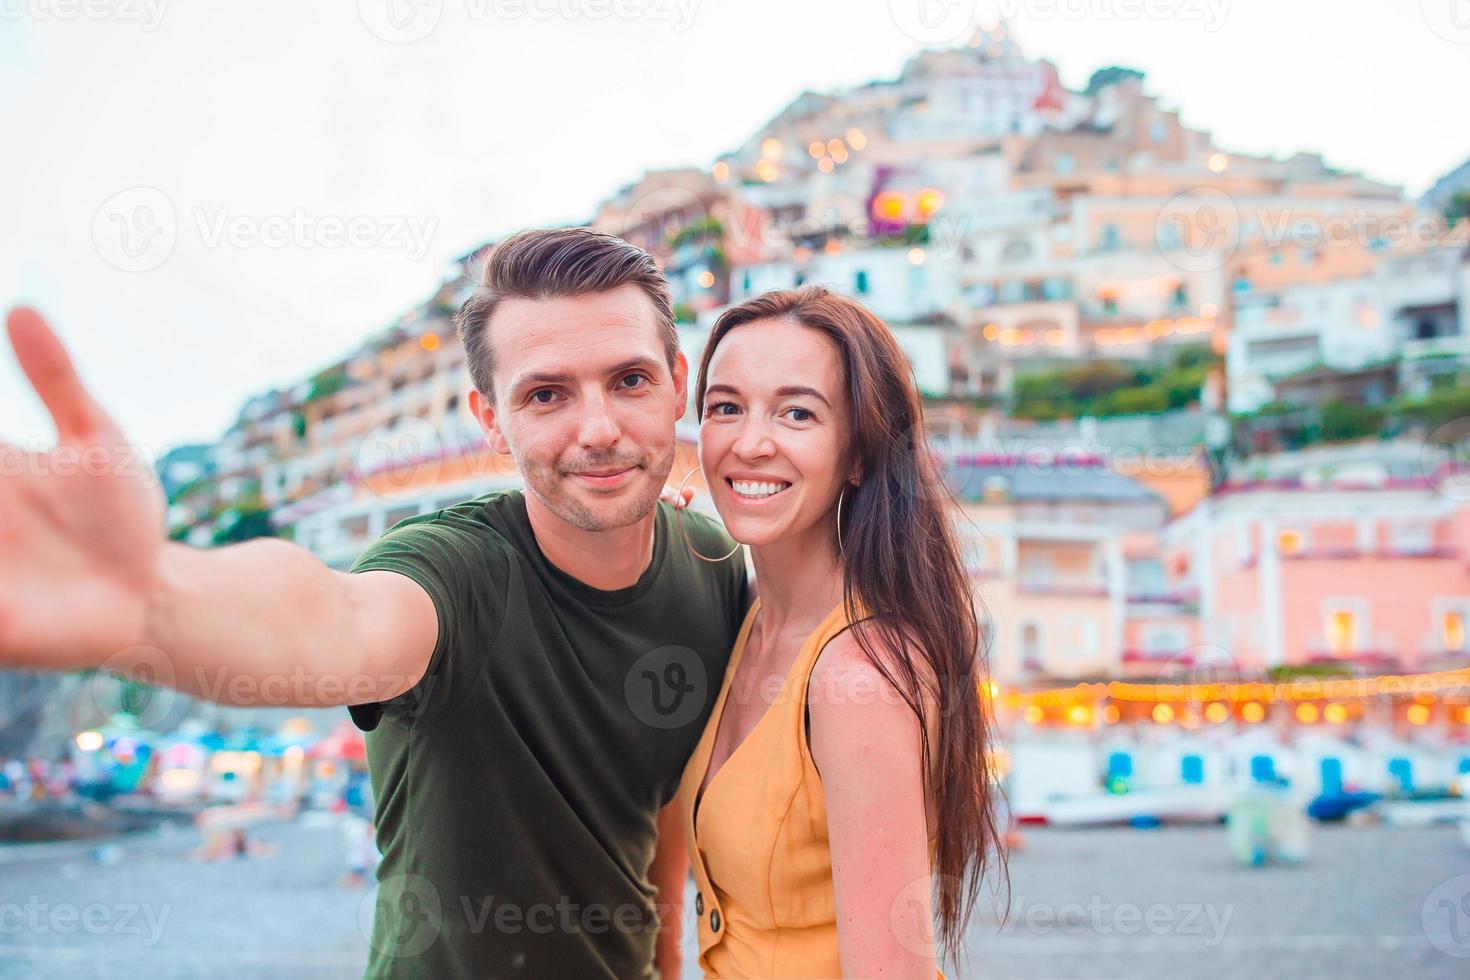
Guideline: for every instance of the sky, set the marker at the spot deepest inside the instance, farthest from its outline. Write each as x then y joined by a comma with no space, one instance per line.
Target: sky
209,198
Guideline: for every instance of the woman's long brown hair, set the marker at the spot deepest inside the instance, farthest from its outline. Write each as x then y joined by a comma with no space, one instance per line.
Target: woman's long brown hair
901,561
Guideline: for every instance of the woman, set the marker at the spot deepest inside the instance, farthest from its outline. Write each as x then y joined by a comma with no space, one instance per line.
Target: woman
838,805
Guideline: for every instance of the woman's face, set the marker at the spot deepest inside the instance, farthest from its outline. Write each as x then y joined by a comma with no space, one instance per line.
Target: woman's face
775,435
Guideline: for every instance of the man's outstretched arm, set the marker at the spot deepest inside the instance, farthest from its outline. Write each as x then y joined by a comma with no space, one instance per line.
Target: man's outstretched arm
87,577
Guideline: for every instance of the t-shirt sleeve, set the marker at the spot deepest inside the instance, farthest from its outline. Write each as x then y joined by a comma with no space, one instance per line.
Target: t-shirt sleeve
464,570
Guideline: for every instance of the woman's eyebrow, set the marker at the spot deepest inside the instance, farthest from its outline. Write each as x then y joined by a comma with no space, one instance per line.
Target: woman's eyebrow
787,390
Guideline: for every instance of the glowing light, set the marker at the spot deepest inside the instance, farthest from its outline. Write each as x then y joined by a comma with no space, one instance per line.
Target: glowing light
1218,162
856,139
1465,715
888,205
429,341
178,780
1055,337
89,741
1334,714
721,172
991,332
1079,714
1253,712
1417,714
916,256
839,153
1306,713
771,148
766,171
706,279
825,165
1162,713
1111,714
1216,712
836,146
1034,715
930,201
816,148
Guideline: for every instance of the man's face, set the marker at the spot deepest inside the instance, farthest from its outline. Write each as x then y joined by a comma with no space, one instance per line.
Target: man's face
585,402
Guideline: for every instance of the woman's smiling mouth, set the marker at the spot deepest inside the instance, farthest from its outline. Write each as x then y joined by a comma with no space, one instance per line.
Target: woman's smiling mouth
757,489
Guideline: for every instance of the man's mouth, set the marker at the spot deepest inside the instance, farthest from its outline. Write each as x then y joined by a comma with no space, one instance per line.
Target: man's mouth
605,477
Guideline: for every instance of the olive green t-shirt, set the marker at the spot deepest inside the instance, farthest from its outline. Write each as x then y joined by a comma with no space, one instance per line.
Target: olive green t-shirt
518,784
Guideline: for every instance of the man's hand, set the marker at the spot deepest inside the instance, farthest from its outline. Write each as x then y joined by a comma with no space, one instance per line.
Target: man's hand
680,499
81,525
87,579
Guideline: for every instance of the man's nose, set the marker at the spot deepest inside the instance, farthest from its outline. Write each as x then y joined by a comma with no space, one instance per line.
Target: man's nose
599,427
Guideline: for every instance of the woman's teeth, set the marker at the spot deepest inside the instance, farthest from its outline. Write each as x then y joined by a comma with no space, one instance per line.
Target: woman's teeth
748,488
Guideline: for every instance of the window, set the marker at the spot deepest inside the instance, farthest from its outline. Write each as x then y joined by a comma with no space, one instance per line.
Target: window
860,282
1031,646
1343,622
1110,237
1452,630
1415,538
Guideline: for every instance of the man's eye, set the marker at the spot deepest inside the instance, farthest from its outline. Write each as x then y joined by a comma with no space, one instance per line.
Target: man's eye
549,396
638,380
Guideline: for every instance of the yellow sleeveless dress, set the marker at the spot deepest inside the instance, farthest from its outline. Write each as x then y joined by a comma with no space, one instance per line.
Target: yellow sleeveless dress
758,838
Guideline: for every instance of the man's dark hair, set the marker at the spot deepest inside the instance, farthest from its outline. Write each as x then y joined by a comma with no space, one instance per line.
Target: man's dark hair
545,263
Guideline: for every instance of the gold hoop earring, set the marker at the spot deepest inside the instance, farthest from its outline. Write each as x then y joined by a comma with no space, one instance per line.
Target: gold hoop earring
842,493
684,532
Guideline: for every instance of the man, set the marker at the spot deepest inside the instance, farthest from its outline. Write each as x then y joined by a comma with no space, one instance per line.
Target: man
533,668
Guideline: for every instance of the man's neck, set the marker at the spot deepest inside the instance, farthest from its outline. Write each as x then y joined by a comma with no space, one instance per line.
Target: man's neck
606,560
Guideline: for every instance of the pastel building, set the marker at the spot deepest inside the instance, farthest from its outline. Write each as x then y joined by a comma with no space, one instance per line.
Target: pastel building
1339,558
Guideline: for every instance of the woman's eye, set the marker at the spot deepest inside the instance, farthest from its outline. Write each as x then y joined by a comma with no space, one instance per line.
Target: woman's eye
719,408
800,415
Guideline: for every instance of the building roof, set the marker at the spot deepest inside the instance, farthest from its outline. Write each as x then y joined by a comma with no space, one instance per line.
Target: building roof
1044,479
